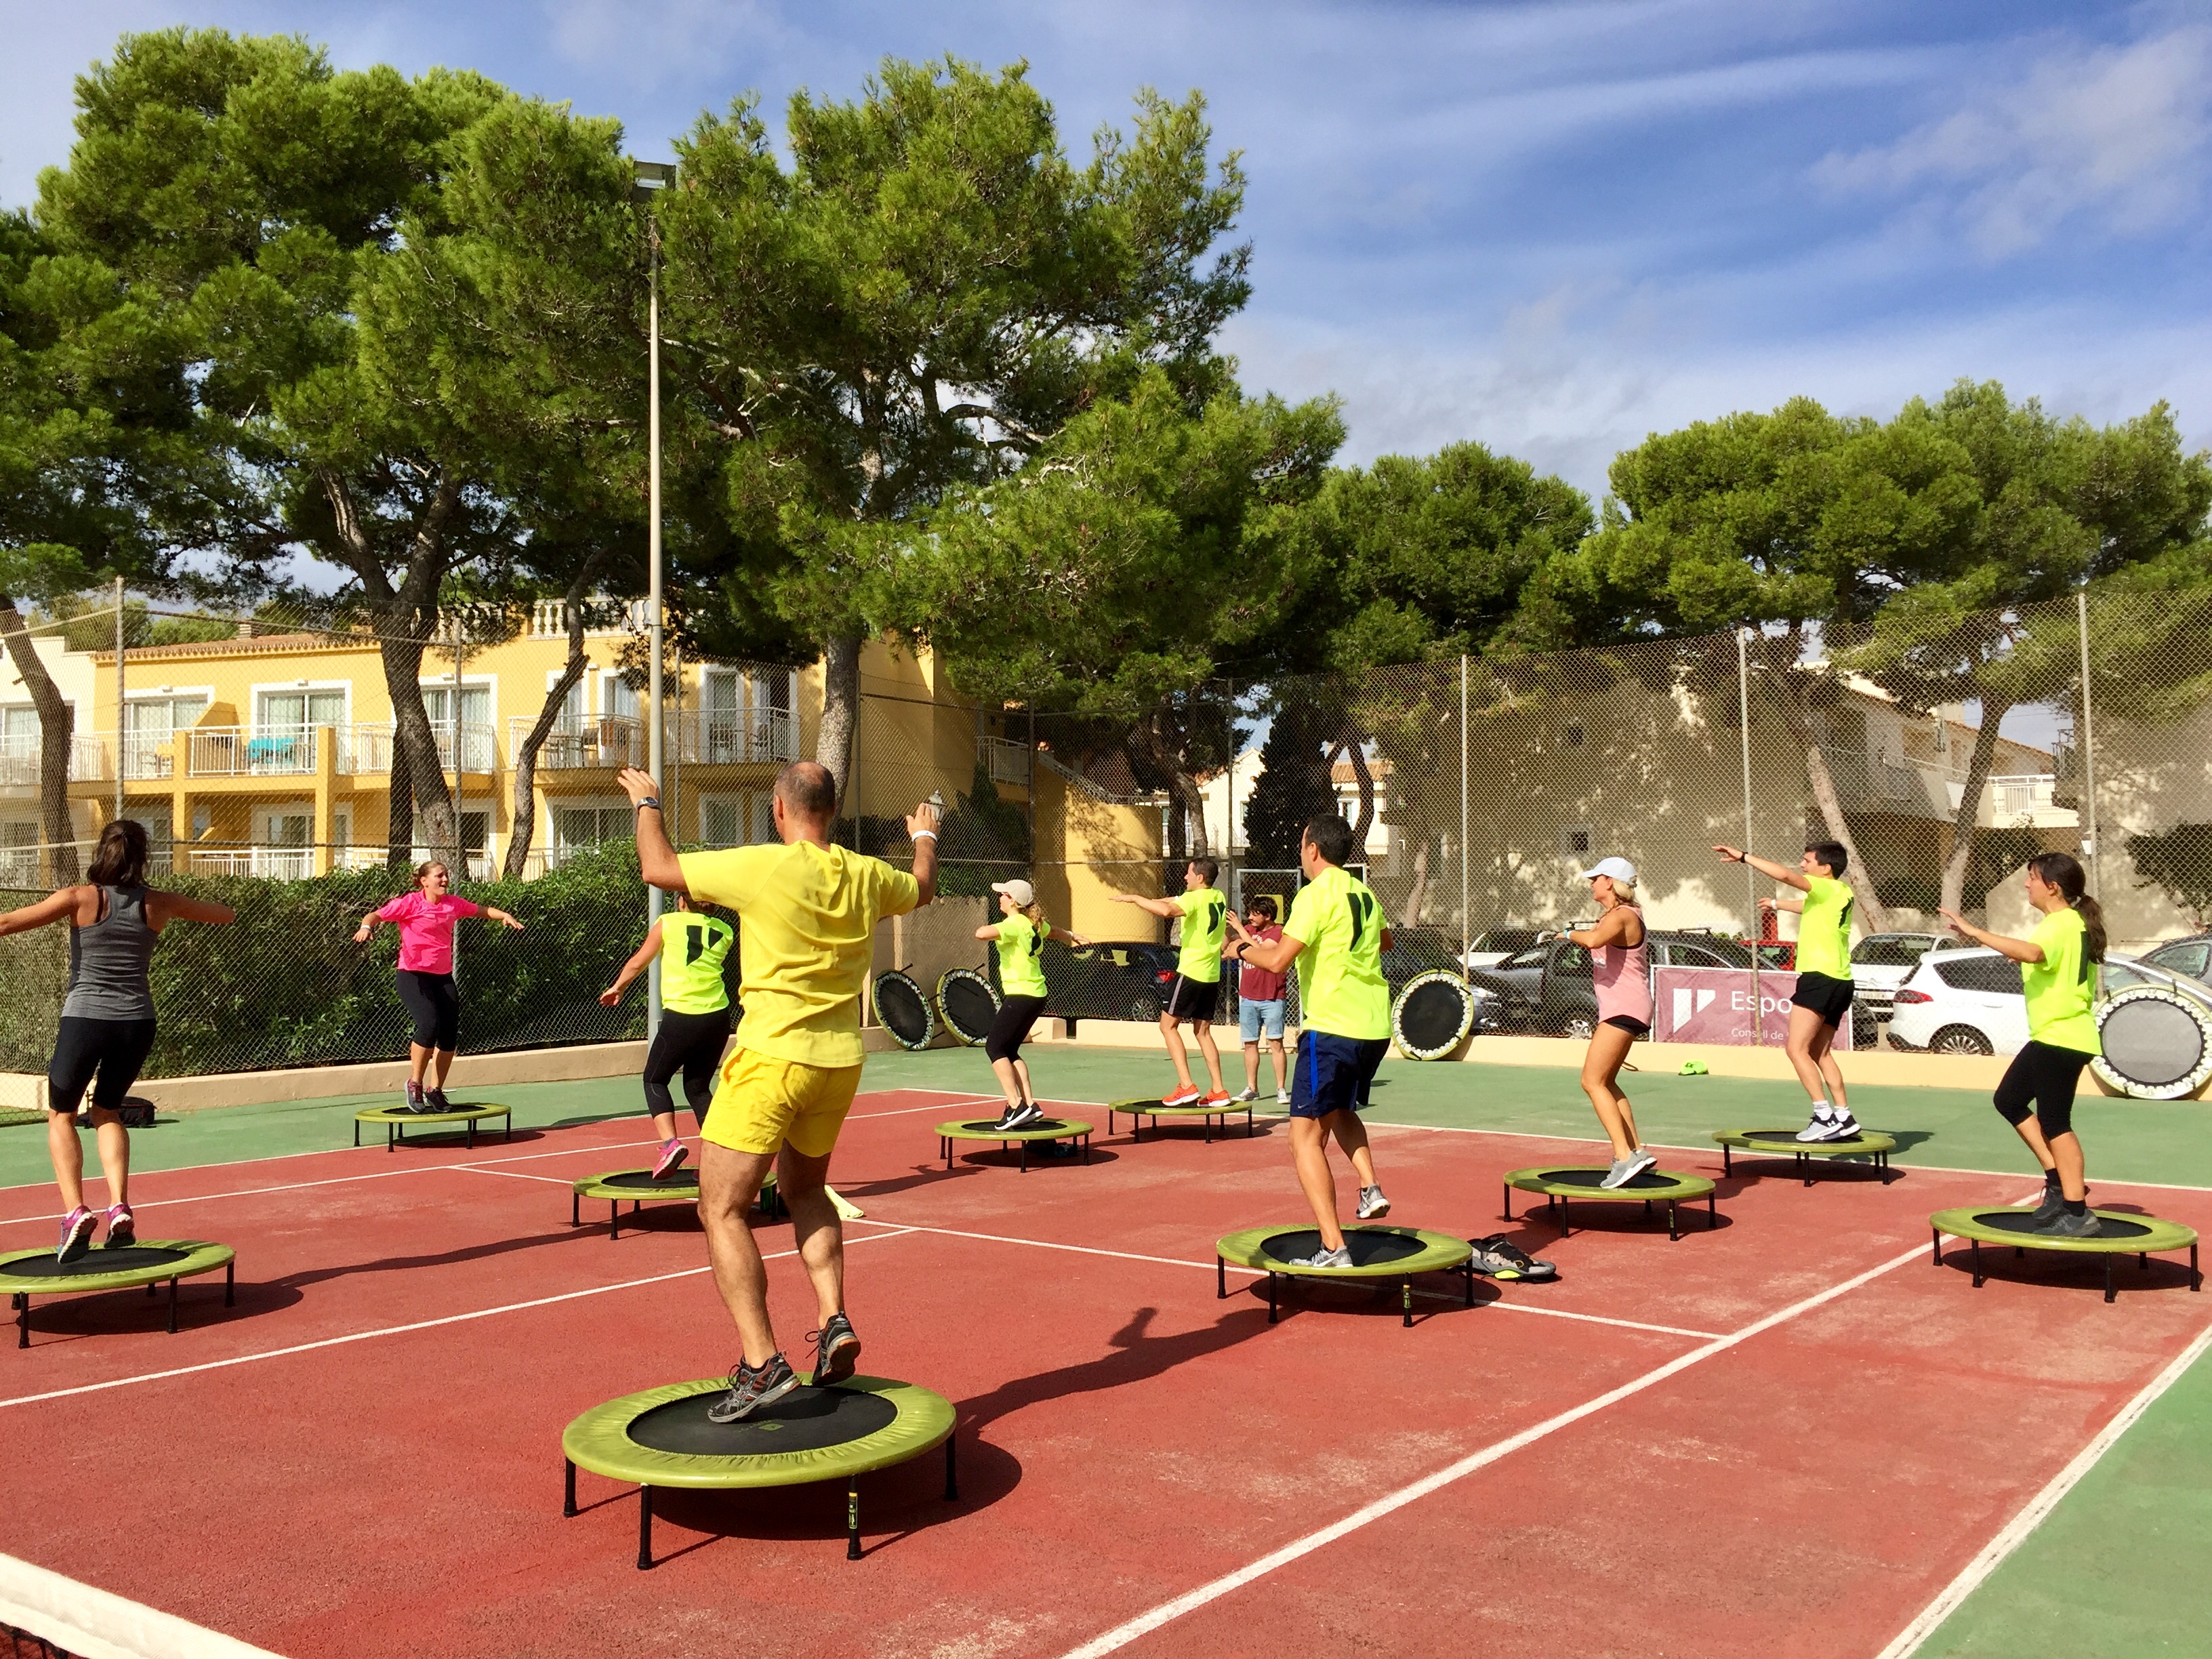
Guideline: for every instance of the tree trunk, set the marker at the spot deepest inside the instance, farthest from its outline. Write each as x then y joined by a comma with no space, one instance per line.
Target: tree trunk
426,771
1191,798
1366,781
841,717
525,817
400,827
1414,900
57,733
1970,805
1872,916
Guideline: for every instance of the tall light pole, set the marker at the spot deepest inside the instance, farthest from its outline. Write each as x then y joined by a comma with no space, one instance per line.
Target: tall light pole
651,177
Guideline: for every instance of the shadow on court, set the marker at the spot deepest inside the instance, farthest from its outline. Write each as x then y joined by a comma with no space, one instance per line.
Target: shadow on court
1137,1358
59,1319
392,1264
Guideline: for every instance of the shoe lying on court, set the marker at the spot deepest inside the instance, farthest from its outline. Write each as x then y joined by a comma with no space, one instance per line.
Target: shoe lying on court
1499,1257
672,1153
1244,1097
1822,1127
1019,1115
1339,1257
122,1227
1180,1097
1843,1127
2063,1225
76,1234
836,1351
1373,1207
751,1388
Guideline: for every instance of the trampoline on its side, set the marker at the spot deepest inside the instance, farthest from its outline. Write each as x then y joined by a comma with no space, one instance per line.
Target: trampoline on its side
902,1010
662,1437
1777,1143
1560,1183
637,1188
1377,1253
967,1004
1432,1015
1138,1111
986,1128
2138,1236
395,1120
26,1273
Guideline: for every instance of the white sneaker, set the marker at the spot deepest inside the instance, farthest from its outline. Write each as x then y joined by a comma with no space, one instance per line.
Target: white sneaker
1373,1207
1336,1258
1845,1128
1283,1099
1242,1096
1820,1128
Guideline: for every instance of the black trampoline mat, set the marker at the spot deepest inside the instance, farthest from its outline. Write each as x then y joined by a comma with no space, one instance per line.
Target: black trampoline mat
2020,1221
900,1006
684,1181
969,1008
132,1258
1433,1014
1368,1250
1035,1126
806,1420
1645,1179
1787,1138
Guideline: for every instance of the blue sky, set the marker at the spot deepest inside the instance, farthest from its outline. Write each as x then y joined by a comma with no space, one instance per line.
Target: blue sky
1551,226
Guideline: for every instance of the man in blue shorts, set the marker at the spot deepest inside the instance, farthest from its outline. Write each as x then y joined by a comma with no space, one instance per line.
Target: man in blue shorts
1336,935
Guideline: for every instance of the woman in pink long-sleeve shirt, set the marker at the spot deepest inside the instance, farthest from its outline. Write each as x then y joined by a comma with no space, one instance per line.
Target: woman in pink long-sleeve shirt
426,918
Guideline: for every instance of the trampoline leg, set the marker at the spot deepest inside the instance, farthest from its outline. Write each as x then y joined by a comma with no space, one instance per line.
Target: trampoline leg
1935,1247
173,1307
853,1519
1220,1280
1508,1191
951,1479
614,1219
1673,1231
230,1284
472,1134
506,1131
22,1320
568,1488
356,1134
2143,1261
1976,1245
644,1528
2109,1292
576,1209
1713,1212
1086,1148
391,1137
1025,1157
2196,1278
152,1290
1271,1301
1805,1167
1406,1299
1468,1273
1728,1162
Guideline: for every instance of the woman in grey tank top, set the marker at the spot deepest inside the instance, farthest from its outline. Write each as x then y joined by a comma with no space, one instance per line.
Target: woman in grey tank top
107,1019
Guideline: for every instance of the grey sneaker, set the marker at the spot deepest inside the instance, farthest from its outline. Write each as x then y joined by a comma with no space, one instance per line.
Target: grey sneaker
1339,1257
2053,1207
751,1388
836,1351
1822,1128
2063,1225
1243,1097
1626,1169
1373,1207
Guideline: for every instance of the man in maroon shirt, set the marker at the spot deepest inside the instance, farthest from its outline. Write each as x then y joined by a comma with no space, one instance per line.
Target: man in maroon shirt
1259,1007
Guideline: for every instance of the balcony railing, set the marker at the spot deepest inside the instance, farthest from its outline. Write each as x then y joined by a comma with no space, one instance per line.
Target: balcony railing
549,619
739,737
1009,762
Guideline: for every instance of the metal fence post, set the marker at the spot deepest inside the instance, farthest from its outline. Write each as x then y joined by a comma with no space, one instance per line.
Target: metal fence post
2096,848
1466,915
121,697
1750,880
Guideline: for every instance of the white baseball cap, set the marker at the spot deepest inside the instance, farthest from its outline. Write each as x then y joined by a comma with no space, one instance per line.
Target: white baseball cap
1618,868
1016,889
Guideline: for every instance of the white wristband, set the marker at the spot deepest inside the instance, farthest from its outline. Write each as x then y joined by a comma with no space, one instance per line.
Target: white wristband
921,835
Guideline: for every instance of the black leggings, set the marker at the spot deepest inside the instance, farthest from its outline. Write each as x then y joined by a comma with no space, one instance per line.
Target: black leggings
116,1048
691,1044
2047,1076
434,1005
1016,1016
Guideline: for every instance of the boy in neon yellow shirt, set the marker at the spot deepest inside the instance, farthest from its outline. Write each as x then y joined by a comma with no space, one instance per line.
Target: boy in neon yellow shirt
1195,990
1824,990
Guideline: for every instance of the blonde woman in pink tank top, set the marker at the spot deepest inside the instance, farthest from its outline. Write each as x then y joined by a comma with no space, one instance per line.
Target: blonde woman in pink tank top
1620,971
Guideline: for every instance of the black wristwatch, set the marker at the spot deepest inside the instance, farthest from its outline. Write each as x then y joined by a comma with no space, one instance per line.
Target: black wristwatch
654,801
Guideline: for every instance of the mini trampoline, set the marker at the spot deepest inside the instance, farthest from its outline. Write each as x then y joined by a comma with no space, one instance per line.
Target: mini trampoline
1377,1253
968,1005
1432,1015
637,1187
2124,1235
1561,1183
1775,1143
395,1120
986,1128
902,1010
26,1273
1139,1111
2157,1043
662,1437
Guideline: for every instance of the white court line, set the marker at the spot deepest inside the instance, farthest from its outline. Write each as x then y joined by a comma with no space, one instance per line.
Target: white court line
398,1330
2040,1507
513,1175
1121,1635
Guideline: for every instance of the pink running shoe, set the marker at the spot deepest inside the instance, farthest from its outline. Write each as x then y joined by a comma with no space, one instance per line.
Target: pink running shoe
672,1153
122,1227
77,1228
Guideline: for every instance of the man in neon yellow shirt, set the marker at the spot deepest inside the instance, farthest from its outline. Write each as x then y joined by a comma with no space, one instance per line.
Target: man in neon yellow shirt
807,914
1195,991
1336,934
1824,990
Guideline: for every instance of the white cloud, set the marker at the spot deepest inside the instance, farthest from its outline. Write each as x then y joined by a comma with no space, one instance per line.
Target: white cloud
2120,133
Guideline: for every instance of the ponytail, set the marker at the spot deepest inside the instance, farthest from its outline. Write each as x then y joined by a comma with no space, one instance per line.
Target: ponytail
1034,912
2063,871
119,860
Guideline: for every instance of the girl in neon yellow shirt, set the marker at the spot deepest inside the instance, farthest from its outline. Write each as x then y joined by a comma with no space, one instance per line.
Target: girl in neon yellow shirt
1018,936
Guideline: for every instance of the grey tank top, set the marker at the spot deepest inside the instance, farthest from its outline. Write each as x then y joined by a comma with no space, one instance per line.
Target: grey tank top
108,960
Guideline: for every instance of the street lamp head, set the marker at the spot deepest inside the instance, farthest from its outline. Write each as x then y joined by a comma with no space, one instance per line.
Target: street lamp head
651,177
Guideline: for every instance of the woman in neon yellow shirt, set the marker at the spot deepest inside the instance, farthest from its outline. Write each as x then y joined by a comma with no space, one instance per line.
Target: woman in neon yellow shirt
694,1017
2058,971
1018,936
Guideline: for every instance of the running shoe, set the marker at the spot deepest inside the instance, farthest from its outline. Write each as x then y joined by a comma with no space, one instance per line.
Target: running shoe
1841,1127
76,1234
1643,1161
122,1227
1498,1257
1185,1095
672,1153
1244,1097
836,1351
2063,1225
438,1100
1216,1098
1339,1257
1626,1169
2053,1207
1016,1116
1822,1127
1373,1207
414,1101
1283,1098
751,1388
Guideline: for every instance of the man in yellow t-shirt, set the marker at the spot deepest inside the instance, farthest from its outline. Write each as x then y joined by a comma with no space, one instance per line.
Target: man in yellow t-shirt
807,914
1336,934
1195,991
1824,990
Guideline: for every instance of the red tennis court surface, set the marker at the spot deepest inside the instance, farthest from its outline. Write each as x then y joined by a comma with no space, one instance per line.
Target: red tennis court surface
1783,1436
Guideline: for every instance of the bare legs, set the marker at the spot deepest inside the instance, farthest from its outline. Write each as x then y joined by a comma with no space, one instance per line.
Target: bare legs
1309,1139
1252,1066
1810,1039
1608,1049
427,1067
68,1154
2060,1152
1013,1075
729,1181
1170,1033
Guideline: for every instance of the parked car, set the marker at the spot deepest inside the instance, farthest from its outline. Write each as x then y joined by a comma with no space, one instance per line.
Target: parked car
2191,956
1969,1001
1546,988
1882,962
1492,946
1109,979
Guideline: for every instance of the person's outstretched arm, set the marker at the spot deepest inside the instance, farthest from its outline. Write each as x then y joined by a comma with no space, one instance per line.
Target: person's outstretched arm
501,917
1273,955
656,858
641,959
162,908
1166,909
2019,950
52,908
1767,867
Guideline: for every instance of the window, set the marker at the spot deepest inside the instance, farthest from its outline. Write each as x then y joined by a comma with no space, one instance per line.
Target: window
291,711
2192,959
1576,737
744,716
19,853
149,726
286,848
575,828
18,744
1532,958
1891,949
1992,975
745,818
618,698
474,735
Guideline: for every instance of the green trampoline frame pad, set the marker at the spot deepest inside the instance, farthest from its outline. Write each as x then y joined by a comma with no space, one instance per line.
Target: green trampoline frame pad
1865,1144
1065,1128
2161,1235
597,1186
1153,1108
1443,1253
200,1257
1678,1189
599,1441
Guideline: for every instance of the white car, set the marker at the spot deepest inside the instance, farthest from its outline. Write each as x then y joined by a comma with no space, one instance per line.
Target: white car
1970,1001
1882,962
1489,948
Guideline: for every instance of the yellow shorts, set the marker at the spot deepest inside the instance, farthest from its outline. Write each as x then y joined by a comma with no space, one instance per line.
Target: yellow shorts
764,1104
